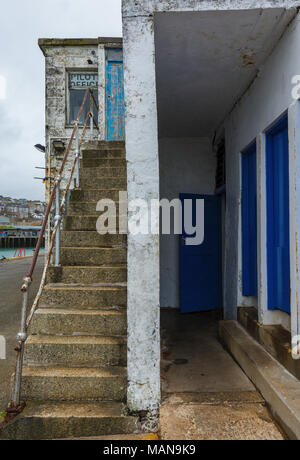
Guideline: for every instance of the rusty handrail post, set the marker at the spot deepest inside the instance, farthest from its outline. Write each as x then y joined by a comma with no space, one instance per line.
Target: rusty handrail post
21,338
77,155
91,117
57,220
95,102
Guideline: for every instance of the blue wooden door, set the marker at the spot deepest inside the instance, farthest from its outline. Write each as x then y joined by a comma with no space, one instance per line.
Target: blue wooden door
115,123
278,250
200,266
249,222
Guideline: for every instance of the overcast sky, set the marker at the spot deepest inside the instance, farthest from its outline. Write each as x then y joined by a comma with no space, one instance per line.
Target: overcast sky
22,118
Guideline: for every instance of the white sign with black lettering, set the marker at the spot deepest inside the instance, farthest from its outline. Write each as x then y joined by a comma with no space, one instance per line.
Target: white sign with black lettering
83,80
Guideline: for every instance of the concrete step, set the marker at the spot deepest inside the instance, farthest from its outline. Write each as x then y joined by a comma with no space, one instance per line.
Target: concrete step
91,239
80,384
84,208
106,183
81,351
104,145
66,295
94,195
88,163
56,420
279,388
275,339
93,256
50,321
88,223
87,275
103,173
108,153
80,223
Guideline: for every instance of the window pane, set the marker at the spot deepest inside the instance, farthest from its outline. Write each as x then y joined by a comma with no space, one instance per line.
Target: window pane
75,100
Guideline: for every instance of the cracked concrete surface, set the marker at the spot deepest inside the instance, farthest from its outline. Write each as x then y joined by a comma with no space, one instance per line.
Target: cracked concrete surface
206,395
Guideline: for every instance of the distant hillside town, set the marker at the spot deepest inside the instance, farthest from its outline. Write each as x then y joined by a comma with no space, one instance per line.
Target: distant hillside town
16,212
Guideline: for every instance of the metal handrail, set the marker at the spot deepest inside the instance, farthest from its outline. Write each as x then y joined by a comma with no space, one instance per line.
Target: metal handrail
15,406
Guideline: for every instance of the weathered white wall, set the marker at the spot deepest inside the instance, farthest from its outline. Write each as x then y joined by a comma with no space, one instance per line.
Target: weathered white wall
143,182
147,7
271,97
266,100
58,60
186,166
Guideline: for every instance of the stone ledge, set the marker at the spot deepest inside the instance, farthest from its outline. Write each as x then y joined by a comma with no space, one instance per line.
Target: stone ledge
280,389
275,339
48,42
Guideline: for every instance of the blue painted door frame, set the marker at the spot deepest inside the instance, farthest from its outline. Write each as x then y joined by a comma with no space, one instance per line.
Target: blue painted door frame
115,111
249,221
201,266
278,237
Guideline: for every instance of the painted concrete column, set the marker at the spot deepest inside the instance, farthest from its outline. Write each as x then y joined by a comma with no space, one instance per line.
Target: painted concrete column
143,183
262,229
231,269
101,92
294,181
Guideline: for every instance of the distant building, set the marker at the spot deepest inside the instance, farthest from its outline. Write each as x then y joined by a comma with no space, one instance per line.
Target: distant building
4,221
23,212
12,209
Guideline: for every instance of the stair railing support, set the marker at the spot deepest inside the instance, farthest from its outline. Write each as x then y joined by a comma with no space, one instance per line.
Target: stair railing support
21,338
77,154
91,117
57,220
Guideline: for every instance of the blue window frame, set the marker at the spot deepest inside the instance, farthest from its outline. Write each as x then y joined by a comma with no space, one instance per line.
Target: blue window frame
249,221
278,232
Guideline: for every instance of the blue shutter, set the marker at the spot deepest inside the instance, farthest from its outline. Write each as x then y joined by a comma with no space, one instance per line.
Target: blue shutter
249,222
115,109
278,239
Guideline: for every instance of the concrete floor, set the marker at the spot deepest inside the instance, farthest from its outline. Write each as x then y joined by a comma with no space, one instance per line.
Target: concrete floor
206,395
11,275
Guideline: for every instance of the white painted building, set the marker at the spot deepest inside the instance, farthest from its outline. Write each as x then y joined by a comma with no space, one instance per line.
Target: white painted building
212,110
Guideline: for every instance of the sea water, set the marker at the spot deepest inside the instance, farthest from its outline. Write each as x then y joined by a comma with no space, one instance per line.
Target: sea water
9,253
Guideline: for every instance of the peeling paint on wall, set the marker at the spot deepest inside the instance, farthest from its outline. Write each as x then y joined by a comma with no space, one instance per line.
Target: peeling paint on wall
133,8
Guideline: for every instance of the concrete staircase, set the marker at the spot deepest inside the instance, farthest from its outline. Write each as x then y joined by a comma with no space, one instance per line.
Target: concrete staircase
74,377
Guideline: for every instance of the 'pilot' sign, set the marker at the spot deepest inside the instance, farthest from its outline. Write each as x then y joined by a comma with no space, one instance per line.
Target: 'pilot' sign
83,80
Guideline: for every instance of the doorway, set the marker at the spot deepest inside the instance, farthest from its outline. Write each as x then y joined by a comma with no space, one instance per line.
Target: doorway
201,264
115,109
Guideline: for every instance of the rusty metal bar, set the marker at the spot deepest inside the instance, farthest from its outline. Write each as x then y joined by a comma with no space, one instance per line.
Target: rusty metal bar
91,117
21,338
96,124
95,102
57,220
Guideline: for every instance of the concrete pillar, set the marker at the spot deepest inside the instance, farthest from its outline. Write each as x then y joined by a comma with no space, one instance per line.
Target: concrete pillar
294,182
262,229
101,92
143,183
